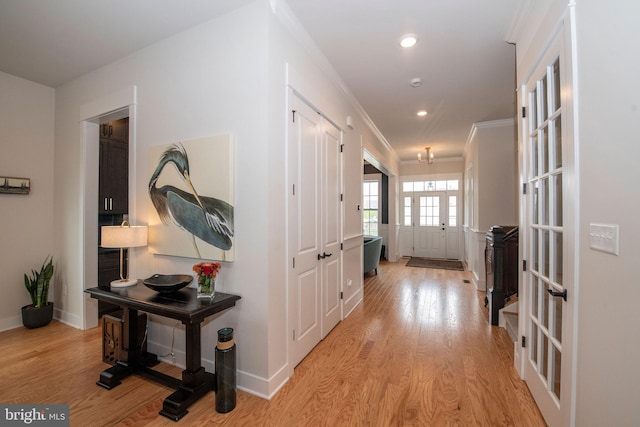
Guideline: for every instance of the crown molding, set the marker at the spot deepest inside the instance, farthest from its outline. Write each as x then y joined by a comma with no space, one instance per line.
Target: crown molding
517,23
290,22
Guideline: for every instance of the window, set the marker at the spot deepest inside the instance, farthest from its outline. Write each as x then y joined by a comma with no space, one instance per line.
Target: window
441,185
429,211
407,211
370,199
453,213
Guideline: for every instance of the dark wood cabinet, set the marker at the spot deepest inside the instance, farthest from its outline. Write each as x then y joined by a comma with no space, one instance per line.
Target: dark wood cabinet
114,168
116,130
109,270
501,266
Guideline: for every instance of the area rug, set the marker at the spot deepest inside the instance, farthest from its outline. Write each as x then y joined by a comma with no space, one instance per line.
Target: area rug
435,263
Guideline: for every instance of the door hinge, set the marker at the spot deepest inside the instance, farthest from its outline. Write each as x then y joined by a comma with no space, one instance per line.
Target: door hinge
341,147
524,265
524,112
341,246
341,197
524,188
341,295
293,115
294,262
294,334
523,342
294,190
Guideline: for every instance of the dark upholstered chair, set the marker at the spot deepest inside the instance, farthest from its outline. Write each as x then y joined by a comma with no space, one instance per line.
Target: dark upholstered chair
372,248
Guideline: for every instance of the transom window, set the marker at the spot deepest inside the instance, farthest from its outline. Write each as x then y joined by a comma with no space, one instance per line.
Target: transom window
441,185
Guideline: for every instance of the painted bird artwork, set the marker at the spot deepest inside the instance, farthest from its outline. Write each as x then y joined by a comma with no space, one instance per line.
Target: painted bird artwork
206,218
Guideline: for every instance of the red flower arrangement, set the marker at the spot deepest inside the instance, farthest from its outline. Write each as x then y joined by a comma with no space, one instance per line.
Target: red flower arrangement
207,272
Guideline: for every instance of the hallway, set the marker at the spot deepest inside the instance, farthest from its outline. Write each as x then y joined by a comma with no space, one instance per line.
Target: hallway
420,352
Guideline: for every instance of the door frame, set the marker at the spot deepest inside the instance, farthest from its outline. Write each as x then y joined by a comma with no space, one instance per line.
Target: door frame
119,104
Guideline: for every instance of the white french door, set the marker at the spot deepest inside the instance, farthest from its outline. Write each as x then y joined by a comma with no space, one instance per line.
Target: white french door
314,211
548,280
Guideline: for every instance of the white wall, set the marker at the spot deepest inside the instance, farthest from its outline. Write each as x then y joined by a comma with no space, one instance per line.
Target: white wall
608,347
491,153
439,166
26,151
495,180
206,81
225,76
606,291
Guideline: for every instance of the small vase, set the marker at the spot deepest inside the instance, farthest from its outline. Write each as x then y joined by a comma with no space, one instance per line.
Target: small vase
206,287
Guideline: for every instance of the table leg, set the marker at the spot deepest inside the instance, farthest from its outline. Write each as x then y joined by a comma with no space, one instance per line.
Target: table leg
195,381
112,377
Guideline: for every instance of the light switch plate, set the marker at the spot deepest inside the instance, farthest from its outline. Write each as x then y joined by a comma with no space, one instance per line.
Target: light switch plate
604,237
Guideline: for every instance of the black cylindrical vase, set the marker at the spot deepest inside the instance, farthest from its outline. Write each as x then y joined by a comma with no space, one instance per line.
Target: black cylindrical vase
225,371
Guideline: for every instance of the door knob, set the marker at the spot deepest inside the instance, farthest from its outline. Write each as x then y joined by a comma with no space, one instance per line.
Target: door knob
562,294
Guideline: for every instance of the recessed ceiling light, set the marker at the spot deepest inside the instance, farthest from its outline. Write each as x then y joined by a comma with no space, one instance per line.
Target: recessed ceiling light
421,113
408,40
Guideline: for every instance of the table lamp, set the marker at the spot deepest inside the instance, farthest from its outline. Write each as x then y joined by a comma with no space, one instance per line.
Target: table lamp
123,236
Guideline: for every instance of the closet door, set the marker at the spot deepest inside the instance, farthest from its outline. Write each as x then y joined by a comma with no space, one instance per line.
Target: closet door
331,258
315,227
305,139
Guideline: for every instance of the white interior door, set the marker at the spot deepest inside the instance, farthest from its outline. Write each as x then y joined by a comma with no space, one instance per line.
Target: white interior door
429,227
548,237
305,138
331,258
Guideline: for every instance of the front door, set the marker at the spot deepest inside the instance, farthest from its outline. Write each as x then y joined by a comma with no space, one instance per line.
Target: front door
429,227
548,280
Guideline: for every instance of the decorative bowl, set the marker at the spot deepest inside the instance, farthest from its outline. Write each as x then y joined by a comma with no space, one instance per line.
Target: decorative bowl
166,283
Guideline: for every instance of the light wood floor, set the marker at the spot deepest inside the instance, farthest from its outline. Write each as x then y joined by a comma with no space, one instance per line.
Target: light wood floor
419,351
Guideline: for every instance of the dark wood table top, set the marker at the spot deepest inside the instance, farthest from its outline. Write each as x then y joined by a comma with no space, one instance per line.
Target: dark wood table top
182,305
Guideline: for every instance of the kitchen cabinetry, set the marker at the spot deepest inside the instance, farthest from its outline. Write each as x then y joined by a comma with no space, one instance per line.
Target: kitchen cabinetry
116,130
114,168
109,270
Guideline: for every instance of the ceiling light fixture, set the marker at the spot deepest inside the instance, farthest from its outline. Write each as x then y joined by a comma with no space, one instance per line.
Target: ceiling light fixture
429,156
408,40
415,82
421,113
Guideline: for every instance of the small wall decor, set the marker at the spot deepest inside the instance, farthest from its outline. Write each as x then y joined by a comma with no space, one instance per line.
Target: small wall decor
9,185
192,199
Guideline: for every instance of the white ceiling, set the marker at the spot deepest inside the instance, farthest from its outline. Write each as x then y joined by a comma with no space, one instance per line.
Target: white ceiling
468,70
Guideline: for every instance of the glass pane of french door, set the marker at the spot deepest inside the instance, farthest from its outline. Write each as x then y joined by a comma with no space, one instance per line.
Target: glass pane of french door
545,229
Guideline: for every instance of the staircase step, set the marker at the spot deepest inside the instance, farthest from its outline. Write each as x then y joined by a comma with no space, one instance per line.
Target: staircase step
511,325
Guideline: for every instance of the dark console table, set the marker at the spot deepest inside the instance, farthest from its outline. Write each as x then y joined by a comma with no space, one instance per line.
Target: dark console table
183,306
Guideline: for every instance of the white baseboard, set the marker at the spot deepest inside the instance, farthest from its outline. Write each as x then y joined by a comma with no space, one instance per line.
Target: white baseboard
247,382
12,322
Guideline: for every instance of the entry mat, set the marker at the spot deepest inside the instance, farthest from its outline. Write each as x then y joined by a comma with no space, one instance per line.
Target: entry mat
442,264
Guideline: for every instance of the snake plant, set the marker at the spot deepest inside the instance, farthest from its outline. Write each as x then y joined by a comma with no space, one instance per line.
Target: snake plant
38,284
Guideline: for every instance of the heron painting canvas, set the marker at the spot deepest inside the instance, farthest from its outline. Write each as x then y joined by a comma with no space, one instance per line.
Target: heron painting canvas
191,191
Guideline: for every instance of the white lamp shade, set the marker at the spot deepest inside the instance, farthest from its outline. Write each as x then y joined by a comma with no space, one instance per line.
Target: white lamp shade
116,236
